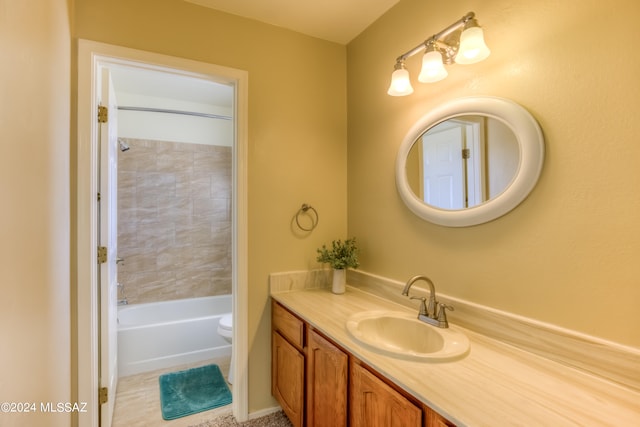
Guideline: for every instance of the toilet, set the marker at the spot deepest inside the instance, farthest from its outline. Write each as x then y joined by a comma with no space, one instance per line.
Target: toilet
225,330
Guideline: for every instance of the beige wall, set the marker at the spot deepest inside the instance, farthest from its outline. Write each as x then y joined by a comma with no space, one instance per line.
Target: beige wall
297,132
569,254
34,219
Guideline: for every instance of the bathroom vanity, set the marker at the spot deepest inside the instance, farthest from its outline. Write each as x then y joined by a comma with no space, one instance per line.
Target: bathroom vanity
321,375
339,389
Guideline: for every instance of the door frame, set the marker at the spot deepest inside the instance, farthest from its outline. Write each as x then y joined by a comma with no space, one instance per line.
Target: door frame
107,233
91,56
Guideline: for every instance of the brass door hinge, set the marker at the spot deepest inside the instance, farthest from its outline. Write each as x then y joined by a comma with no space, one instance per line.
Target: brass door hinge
103,114
102,254
103,395
466,153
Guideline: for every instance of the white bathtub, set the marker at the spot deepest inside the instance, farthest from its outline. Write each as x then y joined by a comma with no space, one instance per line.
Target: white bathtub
169,333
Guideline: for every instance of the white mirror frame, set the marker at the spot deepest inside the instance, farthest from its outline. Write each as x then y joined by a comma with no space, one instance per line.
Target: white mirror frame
531,145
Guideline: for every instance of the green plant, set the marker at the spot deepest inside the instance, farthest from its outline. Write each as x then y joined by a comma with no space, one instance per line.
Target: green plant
341,255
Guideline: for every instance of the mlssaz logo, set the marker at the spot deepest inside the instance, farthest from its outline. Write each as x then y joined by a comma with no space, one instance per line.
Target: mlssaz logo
80,407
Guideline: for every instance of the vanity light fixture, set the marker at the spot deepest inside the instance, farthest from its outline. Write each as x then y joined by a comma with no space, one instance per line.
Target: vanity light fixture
400,83
432,67
461,42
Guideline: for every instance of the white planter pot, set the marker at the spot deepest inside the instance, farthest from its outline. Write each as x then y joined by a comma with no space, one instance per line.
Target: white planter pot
339,281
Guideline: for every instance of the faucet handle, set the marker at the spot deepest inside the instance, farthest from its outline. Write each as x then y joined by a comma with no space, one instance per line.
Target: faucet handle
423,305
442,314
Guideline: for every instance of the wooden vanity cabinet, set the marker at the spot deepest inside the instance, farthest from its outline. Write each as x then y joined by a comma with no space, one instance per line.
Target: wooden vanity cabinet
288,363
374,403
433,419
307,369
327,380
319,385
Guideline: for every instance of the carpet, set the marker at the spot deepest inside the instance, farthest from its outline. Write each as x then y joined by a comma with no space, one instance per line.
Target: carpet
191,391
276,419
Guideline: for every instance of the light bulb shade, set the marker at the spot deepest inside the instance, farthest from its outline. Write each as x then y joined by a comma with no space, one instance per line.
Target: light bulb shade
400,83
472,46
432,67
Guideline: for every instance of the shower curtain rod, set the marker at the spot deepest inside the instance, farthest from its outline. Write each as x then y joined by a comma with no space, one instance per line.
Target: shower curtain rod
186,113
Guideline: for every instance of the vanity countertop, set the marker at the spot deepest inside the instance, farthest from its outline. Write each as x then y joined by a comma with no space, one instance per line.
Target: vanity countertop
494,385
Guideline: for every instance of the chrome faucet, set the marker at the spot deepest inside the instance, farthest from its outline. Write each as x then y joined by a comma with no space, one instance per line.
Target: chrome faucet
431,311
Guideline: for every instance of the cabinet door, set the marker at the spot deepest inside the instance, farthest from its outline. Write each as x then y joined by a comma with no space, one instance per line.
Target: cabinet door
375,404
327,370
287,325
433,419
287,378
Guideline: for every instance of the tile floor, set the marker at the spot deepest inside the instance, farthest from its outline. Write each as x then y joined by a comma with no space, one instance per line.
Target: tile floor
138,399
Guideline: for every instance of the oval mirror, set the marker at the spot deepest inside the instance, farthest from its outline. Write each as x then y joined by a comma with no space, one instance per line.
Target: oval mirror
469,161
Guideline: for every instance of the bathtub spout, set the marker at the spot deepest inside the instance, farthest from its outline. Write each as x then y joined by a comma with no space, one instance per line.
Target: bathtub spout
123,301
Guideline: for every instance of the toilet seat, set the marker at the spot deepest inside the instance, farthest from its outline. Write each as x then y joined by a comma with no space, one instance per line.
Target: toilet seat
225,330
225,326
226,322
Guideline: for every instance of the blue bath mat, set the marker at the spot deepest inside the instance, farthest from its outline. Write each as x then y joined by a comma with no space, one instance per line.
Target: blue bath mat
194,390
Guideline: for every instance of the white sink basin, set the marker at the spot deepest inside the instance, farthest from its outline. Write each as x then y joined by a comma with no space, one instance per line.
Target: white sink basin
402,335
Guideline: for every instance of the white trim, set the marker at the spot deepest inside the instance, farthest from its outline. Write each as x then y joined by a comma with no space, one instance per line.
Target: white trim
92,55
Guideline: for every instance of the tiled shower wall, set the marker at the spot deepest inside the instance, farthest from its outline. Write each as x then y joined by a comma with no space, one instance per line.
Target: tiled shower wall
174,220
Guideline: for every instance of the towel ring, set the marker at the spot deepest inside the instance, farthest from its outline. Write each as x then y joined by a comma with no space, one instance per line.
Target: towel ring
304,209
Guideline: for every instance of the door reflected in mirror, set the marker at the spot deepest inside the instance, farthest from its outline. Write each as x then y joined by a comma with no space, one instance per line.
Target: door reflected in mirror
463,162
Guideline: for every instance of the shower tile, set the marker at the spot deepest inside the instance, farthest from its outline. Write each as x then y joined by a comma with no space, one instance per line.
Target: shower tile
127,196
175,220
155,234
193,289
197,233
142,260
174,209
201,234
126,215
126,162
214,256
183,236
139,158
126,241
144,143
209,161
125,278
221,232
221,286
157,292
204,283
184,183
146,207
166,259
157,183
220,186
201,184
126,180
218,209
175,161
163,147
205,147
172,259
